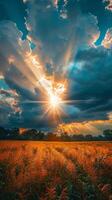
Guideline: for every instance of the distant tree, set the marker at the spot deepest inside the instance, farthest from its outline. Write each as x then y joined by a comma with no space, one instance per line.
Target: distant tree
52,137
107,134
29,134
2,133
9,133
75,137
40,135
32,134
65,137
14,133
89,137
99,137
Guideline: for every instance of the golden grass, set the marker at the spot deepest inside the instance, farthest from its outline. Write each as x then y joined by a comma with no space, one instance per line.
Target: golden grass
55,170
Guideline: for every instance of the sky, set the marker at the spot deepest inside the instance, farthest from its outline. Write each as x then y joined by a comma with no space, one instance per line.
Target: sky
56,65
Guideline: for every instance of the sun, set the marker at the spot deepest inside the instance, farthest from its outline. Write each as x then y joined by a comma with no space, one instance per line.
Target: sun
55,100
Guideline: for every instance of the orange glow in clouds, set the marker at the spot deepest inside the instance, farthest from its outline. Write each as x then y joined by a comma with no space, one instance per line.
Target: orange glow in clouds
52,90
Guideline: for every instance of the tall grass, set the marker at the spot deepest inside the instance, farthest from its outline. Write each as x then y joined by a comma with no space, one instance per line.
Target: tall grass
55,171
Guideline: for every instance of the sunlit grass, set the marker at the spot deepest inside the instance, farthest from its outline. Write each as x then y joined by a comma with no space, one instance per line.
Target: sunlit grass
55,171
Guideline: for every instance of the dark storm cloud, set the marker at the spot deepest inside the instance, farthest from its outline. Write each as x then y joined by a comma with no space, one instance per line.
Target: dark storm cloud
98,9
91,79
15,11
33,116
16,86
12,58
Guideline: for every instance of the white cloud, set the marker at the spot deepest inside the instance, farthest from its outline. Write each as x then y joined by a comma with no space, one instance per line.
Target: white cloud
58,39
1,77
109,6
86,127
110,115
107,42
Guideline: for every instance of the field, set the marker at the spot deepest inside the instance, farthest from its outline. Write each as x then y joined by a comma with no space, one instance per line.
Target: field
55,170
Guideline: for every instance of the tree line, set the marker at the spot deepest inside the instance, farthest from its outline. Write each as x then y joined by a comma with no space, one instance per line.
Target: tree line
33,134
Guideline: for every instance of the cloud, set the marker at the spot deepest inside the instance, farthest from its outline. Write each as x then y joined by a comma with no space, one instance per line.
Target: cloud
1,77
109,115
58,38
90,82
15,64
20,71
8,93
87,127
107,42
18,79
64,37
8,106
109,4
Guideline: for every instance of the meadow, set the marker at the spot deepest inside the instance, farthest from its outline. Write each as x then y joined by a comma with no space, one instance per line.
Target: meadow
31,170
